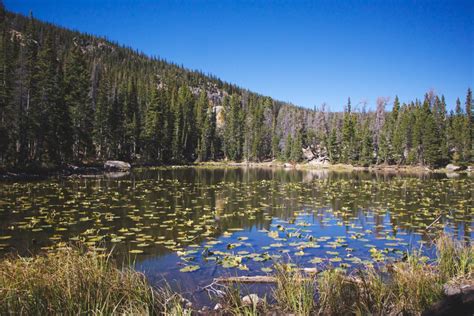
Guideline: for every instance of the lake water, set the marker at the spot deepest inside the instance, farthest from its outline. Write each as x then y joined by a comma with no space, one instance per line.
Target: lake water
190,225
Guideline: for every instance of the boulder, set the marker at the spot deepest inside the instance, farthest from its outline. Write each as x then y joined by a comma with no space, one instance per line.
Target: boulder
452,167
320,161
458,300
116,165
251,299
308,154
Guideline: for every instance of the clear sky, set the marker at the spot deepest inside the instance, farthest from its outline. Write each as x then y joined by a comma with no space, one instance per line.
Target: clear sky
305,52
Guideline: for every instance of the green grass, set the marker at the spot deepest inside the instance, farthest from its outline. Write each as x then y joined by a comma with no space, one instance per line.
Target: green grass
337,293
232,303
75,281
294,292
454,258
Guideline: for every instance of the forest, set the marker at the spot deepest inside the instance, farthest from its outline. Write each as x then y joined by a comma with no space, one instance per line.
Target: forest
68,97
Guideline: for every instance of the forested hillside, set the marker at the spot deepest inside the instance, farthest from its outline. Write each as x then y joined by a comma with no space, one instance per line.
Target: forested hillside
67,97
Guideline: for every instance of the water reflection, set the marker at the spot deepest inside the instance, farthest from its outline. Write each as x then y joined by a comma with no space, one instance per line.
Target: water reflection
174,217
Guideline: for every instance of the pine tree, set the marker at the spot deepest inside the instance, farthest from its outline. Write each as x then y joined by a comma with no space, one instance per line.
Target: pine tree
468,130
7,112
213,138
333,147
189,136
101,126
233,133
115,125
439,114
26,90
288,147
204,126
275,137
430,141
296,148
348,135
366,155
154,127
132,124
50,115
457,133
76,95
400,135
177,130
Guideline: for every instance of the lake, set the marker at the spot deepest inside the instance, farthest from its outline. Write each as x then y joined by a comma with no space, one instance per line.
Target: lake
189,225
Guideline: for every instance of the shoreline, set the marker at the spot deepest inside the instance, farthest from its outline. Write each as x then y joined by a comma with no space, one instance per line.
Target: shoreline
97,169
332,167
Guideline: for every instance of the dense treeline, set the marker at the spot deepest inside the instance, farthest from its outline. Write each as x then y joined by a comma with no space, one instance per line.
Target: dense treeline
67,97
418,133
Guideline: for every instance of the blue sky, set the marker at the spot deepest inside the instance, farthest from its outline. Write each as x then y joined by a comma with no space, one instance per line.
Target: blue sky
305,52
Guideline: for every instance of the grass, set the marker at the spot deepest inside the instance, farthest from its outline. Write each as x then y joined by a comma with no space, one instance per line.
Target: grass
72,280
454,258
294,292
415,285
337,293
408,287
232,303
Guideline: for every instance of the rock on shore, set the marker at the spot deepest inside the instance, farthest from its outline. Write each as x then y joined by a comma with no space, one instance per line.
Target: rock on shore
117,165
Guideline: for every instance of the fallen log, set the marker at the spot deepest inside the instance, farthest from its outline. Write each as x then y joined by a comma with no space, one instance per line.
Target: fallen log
246,279
272,279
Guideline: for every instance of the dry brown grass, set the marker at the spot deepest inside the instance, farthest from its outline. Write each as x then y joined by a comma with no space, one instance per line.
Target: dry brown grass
76,281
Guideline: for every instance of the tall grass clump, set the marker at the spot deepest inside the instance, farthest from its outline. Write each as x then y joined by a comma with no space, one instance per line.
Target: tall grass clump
408,287
72,280
454,258
294,292
415,285
337,293
232,303
375,296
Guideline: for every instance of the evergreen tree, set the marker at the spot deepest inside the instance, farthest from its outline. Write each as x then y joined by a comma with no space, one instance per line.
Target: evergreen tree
430,141
296,148
400,135
155,127
275,136
366,155
50,116
132,122
468,130
457,133
288,147
348,135
101,127
439,114
333,147
233,133
76,95
7,112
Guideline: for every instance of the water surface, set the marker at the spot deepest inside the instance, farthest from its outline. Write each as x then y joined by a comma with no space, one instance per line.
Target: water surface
189,225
